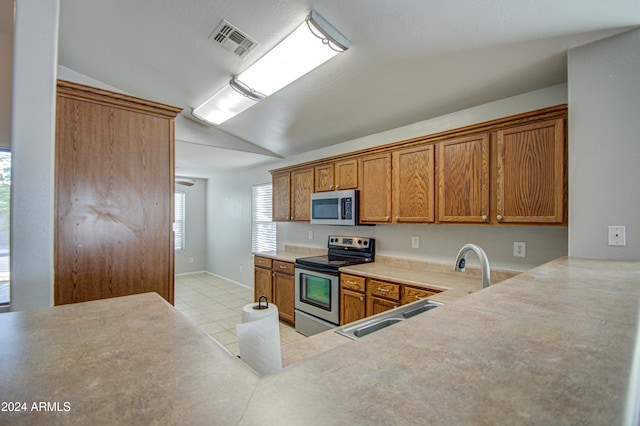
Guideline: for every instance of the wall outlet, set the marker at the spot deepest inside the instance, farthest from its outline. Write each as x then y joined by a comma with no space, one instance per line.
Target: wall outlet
415,242
191,260
519,249
311,235
617,236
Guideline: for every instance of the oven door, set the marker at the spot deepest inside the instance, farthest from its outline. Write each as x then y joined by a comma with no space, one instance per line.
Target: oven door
318,294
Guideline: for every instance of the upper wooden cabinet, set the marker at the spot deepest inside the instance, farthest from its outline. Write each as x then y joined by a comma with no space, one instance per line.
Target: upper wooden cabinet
413,185
511,170
281,208
114,194
375,188
336,176
530,182
463,179
302,188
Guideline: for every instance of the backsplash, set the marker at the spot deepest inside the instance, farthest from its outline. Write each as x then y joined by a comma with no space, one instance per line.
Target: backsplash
440,243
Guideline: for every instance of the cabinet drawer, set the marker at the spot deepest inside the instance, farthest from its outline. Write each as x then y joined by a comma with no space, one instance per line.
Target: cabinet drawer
384,289
411,294
263,262
283,267
352,282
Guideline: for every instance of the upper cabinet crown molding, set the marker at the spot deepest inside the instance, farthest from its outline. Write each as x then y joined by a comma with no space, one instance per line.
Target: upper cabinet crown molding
106,97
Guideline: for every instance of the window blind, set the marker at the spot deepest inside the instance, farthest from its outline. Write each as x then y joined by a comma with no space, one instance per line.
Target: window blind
263,230
178,224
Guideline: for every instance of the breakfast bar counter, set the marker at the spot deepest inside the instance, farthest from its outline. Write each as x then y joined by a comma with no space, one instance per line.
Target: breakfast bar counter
553,345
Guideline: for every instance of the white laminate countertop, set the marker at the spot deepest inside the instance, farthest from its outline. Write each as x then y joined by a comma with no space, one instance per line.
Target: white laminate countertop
550,346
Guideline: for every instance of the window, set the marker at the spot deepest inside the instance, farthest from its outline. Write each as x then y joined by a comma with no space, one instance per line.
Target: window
263,230
178,224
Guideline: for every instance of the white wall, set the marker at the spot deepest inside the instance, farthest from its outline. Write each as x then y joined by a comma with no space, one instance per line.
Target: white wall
604,146
32,143
229,204
6,80
195,229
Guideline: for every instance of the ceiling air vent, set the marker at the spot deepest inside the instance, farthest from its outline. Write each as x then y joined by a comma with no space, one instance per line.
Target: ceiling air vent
231,38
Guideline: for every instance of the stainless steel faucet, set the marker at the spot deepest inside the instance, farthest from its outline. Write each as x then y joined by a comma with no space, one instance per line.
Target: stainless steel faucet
461,260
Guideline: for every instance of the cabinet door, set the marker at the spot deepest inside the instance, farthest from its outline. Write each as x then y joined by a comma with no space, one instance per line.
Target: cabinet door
283,296
302,181
262,283
346,174
324,177
281,196
353,306
413,185
375,188
463,179
375,305
531,173
411,294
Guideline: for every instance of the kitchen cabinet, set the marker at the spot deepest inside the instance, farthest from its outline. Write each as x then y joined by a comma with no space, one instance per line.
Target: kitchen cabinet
412,294
275,280
507,170
352,298
302,188
375,188
284,289
362,297
463,179
262,278
281,187
413,185
337,176
530,183
381,296
114,192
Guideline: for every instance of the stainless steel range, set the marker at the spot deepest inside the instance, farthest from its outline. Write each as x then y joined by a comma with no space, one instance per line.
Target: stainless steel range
317,282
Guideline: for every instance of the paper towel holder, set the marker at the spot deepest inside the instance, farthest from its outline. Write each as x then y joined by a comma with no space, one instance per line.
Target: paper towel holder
266,301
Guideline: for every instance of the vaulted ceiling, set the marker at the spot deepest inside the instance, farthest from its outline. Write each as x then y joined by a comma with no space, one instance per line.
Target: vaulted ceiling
409,60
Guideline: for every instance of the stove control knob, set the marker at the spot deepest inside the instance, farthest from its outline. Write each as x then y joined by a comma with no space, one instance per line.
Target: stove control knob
366,242
359,242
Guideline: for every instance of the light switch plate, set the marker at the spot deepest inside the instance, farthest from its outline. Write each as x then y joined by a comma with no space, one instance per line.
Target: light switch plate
617,236
519,249
311,235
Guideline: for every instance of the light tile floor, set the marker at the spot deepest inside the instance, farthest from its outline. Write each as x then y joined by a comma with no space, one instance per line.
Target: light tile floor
215,305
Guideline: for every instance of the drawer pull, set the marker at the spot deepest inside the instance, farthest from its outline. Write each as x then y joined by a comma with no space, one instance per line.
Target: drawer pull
283,267
418,298
386,290
361,298
351,282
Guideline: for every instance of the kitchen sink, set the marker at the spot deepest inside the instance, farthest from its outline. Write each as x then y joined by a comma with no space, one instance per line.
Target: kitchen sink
378,322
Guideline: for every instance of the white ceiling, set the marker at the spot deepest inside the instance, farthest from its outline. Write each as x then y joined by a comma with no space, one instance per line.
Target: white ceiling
409,60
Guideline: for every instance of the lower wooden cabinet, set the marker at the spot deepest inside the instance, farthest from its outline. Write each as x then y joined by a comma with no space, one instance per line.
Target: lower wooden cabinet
362,297
352,306
275,280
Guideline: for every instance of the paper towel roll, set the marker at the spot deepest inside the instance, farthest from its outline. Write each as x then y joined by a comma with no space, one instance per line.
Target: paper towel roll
259,338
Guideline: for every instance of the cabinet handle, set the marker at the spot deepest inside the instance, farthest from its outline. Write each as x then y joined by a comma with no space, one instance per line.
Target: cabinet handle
330,186
386,290
351,282
418,298
386,218
484,218
283,267
361,298
397,218
499,217
337,186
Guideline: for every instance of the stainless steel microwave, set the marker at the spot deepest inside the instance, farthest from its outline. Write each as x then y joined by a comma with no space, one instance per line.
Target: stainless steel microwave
335,208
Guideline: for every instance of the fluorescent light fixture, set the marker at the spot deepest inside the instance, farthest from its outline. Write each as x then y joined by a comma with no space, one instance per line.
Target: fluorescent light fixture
309,46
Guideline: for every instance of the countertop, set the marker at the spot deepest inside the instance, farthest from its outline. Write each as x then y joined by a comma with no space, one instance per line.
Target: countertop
127,360
550,346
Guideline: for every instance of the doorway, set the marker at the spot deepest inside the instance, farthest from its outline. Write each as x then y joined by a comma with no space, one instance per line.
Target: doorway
5,224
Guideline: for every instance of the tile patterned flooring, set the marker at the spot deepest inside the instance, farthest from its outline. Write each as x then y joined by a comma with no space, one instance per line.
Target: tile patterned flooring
215,305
